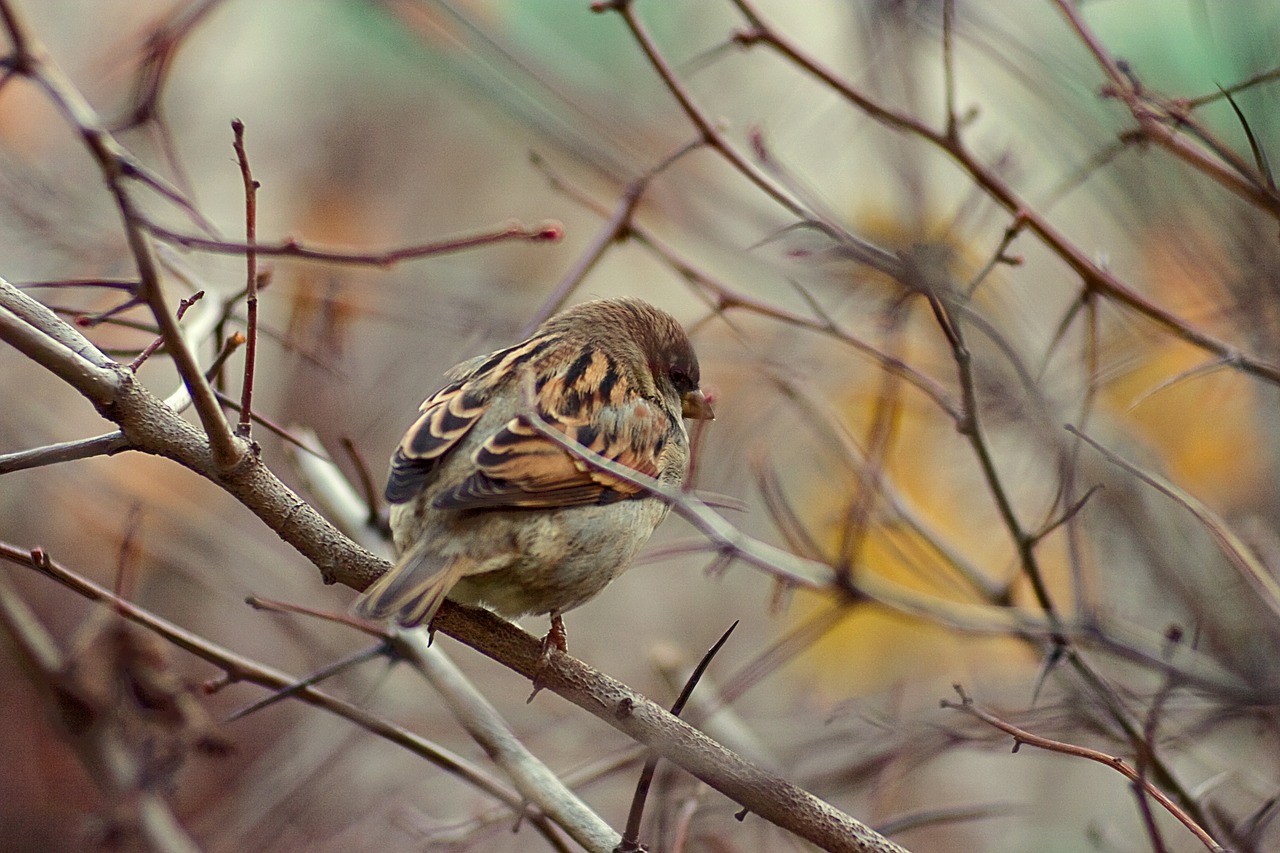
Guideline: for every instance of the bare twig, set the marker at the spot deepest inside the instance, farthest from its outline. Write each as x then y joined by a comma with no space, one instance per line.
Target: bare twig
33,60
66,451
727,298
548,232
372,496
323,673
631,836
151,348
614,230
1022,736
712,135
1234,174
482,721
1094,276
245,427
1257,575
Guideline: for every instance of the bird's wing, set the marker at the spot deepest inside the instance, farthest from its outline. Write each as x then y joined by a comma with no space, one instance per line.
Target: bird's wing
592,402
446,417
449,414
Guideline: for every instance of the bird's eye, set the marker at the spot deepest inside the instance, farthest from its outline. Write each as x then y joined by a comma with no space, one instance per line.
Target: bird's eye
682,379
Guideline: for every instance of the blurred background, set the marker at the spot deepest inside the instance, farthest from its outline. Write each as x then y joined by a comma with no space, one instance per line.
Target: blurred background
375,125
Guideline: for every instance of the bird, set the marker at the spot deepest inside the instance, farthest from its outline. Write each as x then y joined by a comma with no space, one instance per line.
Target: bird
487,510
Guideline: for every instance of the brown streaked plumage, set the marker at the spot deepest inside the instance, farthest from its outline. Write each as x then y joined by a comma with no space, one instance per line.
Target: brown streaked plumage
485,510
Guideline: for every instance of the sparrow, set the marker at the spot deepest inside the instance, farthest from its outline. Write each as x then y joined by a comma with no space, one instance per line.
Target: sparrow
486,510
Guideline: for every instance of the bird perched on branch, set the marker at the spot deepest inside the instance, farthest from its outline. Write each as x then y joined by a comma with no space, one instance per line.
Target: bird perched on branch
487,509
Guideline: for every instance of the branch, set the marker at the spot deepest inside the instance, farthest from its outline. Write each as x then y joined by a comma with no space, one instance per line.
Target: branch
1096,278
1152,118
1022,736
1259,577
547,232
43,337
616,228
535,782
32,60
759,791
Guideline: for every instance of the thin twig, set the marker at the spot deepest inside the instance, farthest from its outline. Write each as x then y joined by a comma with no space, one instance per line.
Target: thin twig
150,349
365,478
949,67
614,230
1247,83
1022,736
245,427
1254,572
1234,174
1095,276
631,835
710,133
325,672
66,451
548,232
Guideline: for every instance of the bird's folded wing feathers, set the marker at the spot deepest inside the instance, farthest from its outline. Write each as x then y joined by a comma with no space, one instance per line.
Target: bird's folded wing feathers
446,417
519,467
586,398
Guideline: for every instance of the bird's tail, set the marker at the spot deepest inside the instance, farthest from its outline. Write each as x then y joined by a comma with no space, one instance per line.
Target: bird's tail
412,591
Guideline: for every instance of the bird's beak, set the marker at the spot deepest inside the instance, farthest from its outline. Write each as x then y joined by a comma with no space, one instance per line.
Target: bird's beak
695,405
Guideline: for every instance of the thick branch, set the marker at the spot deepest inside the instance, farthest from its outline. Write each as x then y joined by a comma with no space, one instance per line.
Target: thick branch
759,791
152,427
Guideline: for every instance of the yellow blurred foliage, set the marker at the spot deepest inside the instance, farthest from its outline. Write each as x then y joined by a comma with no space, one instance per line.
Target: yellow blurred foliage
1167,386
